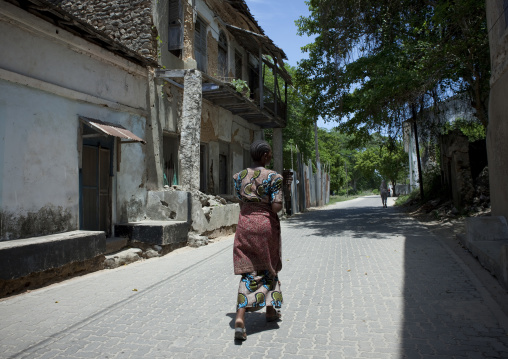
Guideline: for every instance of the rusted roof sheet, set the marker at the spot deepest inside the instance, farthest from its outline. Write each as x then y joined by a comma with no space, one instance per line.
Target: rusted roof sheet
112,129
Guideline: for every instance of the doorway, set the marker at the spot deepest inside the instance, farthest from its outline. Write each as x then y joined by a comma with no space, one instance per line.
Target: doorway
95,211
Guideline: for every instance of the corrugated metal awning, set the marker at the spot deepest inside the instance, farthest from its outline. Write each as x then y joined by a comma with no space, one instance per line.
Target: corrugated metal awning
112,129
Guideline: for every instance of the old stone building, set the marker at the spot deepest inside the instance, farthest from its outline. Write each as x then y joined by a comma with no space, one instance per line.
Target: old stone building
203,124
128,118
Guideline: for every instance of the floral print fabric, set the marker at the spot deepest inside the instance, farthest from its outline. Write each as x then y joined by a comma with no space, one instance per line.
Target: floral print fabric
258,185
259,289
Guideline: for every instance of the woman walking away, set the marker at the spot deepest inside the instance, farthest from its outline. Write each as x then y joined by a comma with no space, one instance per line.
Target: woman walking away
383,189
257,245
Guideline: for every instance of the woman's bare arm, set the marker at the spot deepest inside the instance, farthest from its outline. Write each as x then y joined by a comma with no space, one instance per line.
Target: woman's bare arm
276,207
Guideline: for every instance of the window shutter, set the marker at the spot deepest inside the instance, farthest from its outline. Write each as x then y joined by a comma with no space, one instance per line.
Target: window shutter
200,44
175,38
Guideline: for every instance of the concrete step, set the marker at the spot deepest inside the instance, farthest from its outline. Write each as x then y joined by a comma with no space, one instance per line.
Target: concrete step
155,232
22,257
115,244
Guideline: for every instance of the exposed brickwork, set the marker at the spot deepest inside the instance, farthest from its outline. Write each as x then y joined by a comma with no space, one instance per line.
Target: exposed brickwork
128,22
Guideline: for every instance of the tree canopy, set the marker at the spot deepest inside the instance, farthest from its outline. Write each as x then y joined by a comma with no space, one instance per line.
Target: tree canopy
377,63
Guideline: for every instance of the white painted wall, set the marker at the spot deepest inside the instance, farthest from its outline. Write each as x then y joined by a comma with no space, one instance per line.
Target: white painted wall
47,79
42,51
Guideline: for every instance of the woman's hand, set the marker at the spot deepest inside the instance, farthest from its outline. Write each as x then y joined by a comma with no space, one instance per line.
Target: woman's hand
276,207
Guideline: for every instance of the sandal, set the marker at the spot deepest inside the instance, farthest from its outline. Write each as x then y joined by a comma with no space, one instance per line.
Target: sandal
240,333
273,318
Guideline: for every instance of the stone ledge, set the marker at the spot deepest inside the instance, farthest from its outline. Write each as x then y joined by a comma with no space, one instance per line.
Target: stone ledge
487,239
115,244
161,233
21,257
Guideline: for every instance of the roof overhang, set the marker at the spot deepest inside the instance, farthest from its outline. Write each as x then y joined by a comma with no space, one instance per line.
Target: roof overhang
253,42
112,129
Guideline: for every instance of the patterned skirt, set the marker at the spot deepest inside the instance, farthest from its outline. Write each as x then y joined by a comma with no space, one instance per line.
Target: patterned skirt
259,289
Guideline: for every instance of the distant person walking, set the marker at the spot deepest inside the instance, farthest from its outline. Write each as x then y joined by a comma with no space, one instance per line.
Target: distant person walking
383,190
257,245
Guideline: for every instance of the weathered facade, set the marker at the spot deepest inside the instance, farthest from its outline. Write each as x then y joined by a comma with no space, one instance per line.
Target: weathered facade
59,92
116,114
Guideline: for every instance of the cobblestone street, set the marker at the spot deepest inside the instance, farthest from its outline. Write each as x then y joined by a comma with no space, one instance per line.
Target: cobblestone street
359,281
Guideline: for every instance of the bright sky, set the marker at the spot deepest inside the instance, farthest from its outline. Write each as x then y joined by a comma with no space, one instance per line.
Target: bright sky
277,19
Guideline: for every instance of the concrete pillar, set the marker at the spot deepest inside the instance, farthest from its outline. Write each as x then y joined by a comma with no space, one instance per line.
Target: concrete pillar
190,134
278,165
154,136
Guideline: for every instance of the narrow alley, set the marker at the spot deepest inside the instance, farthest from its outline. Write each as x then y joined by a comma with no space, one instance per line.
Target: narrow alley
359,281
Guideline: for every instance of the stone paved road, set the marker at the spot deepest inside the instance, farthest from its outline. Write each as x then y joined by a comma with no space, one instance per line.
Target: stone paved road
359,281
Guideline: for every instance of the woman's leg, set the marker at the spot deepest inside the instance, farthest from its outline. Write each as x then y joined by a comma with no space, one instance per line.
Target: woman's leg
270,311
240,318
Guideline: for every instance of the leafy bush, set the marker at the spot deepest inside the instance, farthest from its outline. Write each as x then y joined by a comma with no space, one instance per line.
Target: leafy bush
375,191
241,86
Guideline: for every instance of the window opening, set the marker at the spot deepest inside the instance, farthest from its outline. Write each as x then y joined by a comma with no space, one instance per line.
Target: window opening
200,44
175,27
170,158
223,55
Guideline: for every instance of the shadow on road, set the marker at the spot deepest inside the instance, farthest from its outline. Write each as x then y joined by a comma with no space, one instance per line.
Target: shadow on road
256,323
442,311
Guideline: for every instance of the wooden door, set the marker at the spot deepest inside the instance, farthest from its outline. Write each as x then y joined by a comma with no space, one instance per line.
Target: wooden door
96,189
